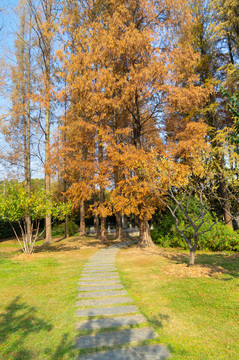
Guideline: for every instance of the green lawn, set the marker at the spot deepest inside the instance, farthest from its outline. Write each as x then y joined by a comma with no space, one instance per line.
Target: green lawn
194,311
37,300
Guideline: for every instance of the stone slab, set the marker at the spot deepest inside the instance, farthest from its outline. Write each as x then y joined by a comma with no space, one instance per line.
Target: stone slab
115,338
113,310
99,277
99,282
100,263
99,294
107,301
99,268
111,322
102,287
149,352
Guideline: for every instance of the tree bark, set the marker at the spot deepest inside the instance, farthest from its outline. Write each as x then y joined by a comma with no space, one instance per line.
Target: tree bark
103,230
96,218
119,226
192,256
26,125
82,218
144,234
47,69
227,208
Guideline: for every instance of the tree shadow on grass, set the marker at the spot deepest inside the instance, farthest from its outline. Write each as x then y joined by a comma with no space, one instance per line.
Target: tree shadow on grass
17,322
69,245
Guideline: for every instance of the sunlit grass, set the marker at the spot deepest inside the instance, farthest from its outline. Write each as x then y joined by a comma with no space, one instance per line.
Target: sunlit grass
37,299
196,316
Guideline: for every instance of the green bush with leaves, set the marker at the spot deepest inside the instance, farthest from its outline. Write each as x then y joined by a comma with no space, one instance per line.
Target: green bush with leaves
220,238
16,204
59,229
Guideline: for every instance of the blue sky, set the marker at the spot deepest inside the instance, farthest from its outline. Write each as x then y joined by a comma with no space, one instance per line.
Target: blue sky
8,20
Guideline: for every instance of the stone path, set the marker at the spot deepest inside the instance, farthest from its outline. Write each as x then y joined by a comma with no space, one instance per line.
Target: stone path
105,308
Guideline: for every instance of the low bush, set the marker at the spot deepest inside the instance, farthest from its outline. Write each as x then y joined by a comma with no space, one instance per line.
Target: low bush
59,229
220,238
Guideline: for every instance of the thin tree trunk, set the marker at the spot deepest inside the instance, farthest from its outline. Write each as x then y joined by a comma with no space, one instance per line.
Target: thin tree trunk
119,226
125,221
27,119
193,251
96,218
82,218
227,208
144,234
47,176
103,228
47,41
66,216
192,257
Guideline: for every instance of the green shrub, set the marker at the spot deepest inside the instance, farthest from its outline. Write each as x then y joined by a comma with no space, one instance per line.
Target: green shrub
59,229
220,238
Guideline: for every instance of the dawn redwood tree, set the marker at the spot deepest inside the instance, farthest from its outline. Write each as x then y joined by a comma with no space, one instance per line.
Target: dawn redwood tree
119,90
18,129
44,14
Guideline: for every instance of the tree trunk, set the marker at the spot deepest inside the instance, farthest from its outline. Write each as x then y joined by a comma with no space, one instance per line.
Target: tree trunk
97,226
193,251
66,216
26,89
119,226
125,221
227,209
96,218
103,230
144,234
192,256
66,227
103,225
82,218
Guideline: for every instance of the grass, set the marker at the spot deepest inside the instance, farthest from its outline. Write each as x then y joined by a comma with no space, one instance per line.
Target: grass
37,299
194,310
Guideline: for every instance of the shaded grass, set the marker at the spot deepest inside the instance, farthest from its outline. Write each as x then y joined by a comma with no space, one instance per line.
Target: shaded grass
37,299
196,317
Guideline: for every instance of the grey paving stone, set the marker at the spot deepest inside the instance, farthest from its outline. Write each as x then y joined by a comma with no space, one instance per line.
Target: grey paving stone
99,271
113,310
111,322
100,263
96,282
98,294
150,352
107,301
99,277
115,338
101,287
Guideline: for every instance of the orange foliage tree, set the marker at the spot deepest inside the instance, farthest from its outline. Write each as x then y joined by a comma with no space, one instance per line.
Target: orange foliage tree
126,71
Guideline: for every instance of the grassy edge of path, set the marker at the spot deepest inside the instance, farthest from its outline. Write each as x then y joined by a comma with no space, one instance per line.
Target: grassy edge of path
194,311
37,299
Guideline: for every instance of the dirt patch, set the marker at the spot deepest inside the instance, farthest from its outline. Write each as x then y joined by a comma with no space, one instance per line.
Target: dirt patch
181,270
